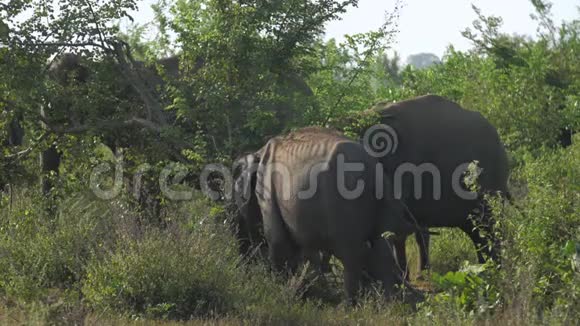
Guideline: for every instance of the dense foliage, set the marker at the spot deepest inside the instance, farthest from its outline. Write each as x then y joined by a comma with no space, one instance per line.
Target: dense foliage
245,71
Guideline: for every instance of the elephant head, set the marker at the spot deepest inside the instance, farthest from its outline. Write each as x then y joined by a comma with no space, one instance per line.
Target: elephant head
248,217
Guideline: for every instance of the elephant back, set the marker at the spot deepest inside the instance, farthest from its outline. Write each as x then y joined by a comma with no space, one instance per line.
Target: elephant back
436,134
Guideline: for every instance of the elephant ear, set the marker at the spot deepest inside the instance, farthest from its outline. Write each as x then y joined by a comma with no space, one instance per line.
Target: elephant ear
245,170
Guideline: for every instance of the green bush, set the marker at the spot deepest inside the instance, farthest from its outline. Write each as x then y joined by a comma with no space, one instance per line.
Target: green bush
544,231
468,288
191,269
450,249
165,274
40,254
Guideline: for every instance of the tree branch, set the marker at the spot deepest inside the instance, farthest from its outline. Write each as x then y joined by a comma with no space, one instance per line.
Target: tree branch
21,154
72,44
96,21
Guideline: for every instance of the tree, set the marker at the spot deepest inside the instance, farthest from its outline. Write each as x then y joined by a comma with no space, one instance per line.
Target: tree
544,68
423,60
241,69
393,67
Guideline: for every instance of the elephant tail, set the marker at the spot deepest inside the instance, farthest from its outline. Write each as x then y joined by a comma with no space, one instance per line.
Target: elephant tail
410,218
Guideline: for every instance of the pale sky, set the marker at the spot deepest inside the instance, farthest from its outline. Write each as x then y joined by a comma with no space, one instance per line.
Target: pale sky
431,25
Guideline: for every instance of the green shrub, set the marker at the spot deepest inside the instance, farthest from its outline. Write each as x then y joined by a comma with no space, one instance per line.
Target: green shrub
450,249
544,231
163,275
468,288
40,254
188,270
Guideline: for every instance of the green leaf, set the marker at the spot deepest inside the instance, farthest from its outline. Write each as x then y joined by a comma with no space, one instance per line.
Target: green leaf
569,248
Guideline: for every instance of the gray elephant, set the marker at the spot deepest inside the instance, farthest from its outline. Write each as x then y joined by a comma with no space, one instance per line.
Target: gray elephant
431,142
247,217
318,192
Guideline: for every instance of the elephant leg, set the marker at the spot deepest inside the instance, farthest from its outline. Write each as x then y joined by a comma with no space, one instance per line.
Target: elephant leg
353,257
317,260
282,255
253,225
399,243
381,266
481,233
50,161
325,262
242,234
281,250
423,239
478,241
249,246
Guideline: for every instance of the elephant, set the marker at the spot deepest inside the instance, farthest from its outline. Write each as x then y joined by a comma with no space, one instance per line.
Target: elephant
432,132
247,217
307,205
